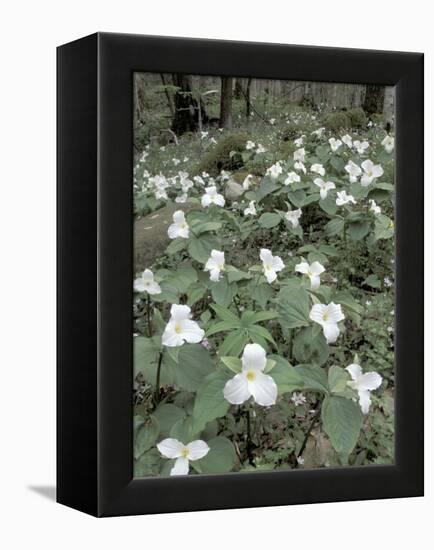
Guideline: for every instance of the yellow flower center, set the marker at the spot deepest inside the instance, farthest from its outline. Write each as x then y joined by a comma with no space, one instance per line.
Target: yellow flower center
221,266
325,316
267,267
178,329
250,375
184,452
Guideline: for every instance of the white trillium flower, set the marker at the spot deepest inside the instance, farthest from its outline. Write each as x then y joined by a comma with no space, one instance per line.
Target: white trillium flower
215,264
318,169
353,170
343,198
199,180
250,145
293,216
251,381
318,132
374,207
335,144
182,198
363,384
360,146
176,161
324,187
212,197
388,143
313,271
146,283
371,172
299,166
299,141
347,139
251,209
246,182
299,154
174,449
271,264
291,178
181,328
179,227
328,316
274,171
261,149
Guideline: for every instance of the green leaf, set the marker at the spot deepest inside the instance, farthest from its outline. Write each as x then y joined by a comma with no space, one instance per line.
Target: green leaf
222,326
145,357
200,248
357,230
384,227
225,314
337,379
260,335
285,376
269,220
294,311
297,198
338,163
334,227
168,415
234,275
220,458
183,430
194,364
232,363
148,464
373,281
145,435
310,346
196,292
329,204
314,378
266,187
223,293
210,402
234,343
342,420
264,316
262,294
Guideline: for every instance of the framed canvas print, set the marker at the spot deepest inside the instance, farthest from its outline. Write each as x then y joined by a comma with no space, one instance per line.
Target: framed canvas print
240,274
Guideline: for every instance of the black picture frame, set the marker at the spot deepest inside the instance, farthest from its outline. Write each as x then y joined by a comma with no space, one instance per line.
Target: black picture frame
95,273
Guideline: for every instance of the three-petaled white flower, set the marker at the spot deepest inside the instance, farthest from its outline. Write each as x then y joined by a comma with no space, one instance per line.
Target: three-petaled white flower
212,197
324,187
250,145
353,170
347,140
299,141
293,216
146,283
335,144
215,264
299,154
318,169
298,398
172,448
291,178
313,271
261,149
181,328
360,146
246,182
299,166
328,316
275,170
388,143
251,381
343,198
363,384
371,172
251,209
179,227
271,264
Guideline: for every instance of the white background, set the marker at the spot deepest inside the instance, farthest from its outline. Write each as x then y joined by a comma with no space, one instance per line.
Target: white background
30,31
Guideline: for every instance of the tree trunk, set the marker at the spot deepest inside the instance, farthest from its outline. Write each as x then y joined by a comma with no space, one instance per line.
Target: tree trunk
374,99
389,106
169,99
185,118
226,102
247,96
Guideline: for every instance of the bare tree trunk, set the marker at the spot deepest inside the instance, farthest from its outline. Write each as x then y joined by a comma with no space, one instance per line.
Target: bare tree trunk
226,102
374,99
389,106
169,99
185,118
247,97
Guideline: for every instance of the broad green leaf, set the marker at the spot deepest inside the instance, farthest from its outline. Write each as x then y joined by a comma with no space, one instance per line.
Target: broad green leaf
258,334
195,292
194,364
297,198
373,281
225,314
310,346
234,275
384,227
148,464
234,343
269,220
285,376
265,316
262,294
145,435
337,379
334,227
222,326
232,363
223,293
314,378
266,187
338,163
200,248
176,246
342,420
220,459
329,204
183,430
145,357
168,415
294,311
210,402
357,230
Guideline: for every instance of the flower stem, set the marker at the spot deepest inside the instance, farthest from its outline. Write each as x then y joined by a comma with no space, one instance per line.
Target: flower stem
249,446
157,381
148,314
311,425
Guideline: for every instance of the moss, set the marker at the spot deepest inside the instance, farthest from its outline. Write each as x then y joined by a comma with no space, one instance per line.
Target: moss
220,157
337,121
357,117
